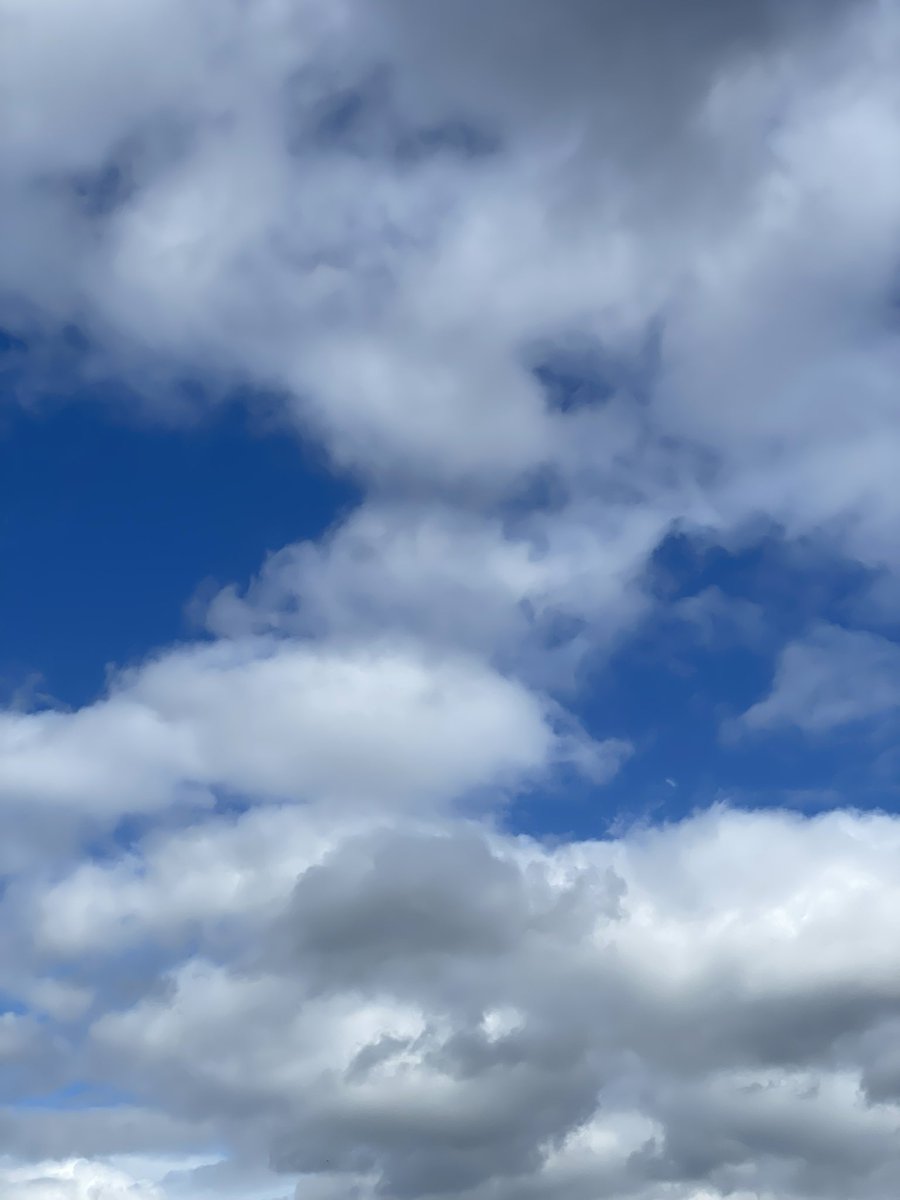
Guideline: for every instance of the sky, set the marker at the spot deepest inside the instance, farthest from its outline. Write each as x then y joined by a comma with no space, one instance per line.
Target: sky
449,592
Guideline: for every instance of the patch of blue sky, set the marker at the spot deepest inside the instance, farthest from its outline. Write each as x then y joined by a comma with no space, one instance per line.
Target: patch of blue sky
107,529
10,1003
677,689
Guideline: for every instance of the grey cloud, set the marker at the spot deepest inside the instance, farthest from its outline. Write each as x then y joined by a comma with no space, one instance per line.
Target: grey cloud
393,903
96,1132
438,921
527,65
450,1010
806,1140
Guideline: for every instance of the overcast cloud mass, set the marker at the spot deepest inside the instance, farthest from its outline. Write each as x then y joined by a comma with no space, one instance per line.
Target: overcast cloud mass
569,293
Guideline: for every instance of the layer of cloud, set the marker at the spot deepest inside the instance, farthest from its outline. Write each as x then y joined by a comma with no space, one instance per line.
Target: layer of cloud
448,1010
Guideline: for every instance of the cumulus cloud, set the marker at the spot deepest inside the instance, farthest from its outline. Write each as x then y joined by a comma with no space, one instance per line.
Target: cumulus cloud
493,587
281,719
394,216
452,1010
399,299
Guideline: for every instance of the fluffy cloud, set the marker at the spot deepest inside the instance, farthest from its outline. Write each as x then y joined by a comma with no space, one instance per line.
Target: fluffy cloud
399,297
285,720
450,1010
413,572
392,215
73,1180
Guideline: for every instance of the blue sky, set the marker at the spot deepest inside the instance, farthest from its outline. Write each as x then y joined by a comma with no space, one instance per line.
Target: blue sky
450,672
118,530
112,526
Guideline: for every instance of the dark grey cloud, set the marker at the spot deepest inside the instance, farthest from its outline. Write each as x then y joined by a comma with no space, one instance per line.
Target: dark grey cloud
98,1130
387,904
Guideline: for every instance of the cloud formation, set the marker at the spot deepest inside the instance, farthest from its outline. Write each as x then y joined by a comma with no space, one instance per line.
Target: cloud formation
450,1010
280,719
553,283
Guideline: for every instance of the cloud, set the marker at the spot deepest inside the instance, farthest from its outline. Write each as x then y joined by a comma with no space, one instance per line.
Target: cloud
73,1180
495,588
831,678
396,303
450,1009
441,1007
245,211
373,725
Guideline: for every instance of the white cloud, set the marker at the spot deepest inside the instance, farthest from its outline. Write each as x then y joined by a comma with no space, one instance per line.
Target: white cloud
211,875
397,301
830,678
460,580
372,725
76,1179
